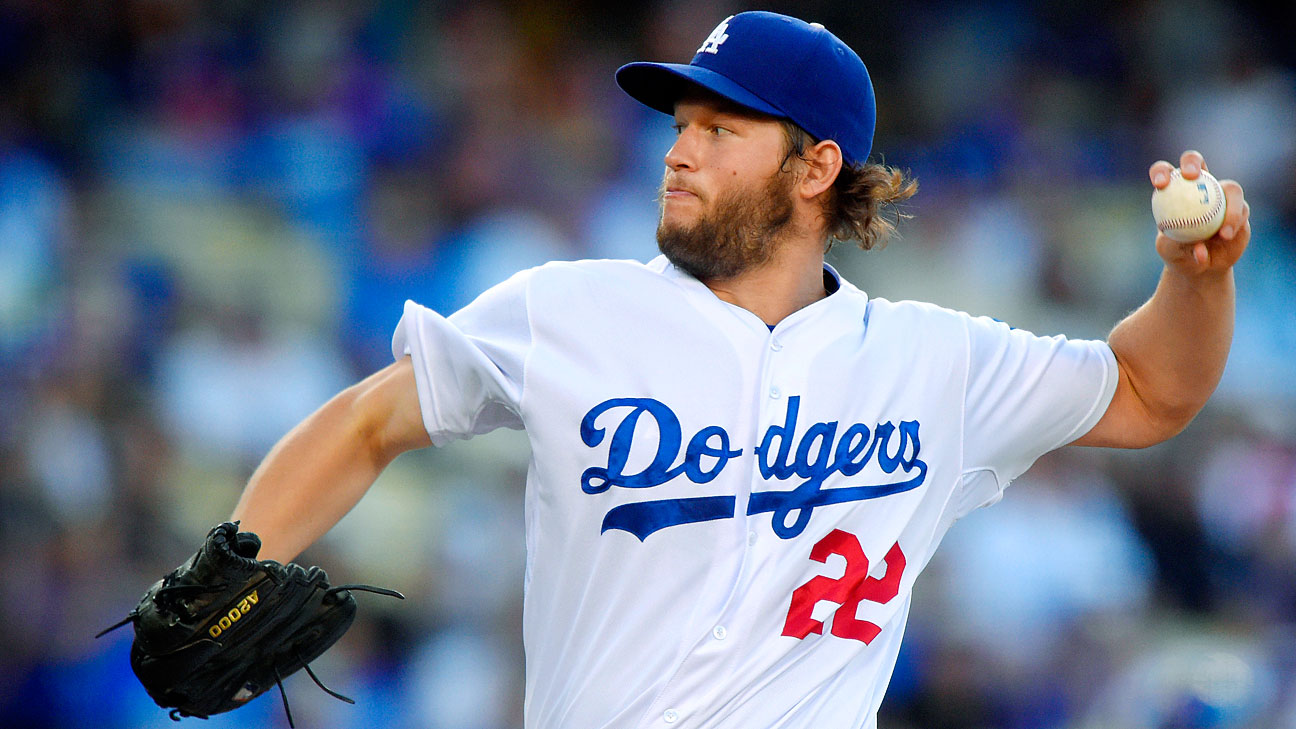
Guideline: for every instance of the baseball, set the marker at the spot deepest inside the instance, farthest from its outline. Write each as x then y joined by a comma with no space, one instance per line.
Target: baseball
1189,210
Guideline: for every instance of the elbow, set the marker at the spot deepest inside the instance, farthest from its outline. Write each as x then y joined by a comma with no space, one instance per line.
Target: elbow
1157,432
1159,422
1148,411
1173,421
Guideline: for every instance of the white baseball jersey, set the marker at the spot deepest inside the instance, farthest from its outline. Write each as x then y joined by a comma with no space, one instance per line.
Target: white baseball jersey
723,521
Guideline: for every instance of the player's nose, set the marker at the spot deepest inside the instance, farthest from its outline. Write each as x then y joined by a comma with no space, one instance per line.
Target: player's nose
682,155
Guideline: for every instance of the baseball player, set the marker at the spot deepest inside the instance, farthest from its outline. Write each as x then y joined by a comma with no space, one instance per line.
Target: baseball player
741,462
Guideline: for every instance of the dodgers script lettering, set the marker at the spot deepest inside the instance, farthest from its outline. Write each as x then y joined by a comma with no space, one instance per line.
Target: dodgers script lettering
784,453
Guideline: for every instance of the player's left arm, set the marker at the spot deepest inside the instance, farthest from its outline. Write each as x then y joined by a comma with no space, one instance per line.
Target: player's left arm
1171,351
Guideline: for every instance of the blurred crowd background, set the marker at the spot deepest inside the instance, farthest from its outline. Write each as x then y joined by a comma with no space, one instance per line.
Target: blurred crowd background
211,213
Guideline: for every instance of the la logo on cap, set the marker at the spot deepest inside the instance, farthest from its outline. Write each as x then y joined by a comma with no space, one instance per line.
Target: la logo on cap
718,36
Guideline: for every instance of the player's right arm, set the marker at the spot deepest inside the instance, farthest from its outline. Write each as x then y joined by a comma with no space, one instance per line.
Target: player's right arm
320,469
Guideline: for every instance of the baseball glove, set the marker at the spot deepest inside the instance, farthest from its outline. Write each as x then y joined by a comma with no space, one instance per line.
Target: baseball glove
224,627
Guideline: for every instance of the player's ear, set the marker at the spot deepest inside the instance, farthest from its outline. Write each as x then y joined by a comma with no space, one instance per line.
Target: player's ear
823,162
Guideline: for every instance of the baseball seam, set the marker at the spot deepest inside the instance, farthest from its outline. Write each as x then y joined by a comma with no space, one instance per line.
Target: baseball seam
1180,223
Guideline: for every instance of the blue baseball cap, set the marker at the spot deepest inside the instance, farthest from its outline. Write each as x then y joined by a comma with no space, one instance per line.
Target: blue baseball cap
776,65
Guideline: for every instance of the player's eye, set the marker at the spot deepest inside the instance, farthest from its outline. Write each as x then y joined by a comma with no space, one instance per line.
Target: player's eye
720,131
678,127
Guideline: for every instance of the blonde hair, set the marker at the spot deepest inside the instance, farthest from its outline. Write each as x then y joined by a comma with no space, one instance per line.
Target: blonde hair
855,204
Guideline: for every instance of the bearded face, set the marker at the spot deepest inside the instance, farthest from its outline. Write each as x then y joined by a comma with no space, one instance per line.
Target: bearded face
740,231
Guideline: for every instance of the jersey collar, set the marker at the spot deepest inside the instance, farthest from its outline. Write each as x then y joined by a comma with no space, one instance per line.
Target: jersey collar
843,298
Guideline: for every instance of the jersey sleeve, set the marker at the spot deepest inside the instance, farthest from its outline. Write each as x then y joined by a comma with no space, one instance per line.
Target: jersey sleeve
1026,395
469,367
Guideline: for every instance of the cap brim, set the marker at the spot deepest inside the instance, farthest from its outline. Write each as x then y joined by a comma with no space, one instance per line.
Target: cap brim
660,85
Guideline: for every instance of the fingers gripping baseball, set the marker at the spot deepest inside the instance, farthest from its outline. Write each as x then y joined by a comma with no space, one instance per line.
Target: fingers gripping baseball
1190,238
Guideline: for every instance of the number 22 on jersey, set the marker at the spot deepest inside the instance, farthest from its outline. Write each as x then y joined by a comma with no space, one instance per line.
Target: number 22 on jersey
848,591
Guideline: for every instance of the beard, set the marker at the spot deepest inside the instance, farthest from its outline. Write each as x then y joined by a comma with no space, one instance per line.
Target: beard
742,232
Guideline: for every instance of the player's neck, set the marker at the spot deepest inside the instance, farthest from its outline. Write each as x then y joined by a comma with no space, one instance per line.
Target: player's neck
788,282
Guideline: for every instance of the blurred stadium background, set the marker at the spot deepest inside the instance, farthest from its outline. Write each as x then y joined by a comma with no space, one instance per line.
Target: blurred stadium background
210,214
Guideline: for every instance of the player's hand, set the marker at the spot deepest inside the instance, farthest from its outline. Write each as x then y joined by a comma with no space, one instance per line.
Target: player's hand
1221,251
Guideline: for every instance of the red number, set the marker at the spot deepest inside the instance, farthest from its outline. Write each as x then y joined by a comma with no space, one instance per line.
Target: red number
847,591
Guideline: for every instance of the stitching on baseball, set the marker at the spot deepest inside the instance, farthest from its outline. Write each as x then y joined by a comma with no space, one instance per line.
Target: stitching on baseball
1177,223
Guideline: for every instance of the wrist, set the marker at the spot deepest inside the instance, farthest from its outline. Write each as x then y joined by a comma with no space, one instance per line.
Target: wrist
1209,278
1212,289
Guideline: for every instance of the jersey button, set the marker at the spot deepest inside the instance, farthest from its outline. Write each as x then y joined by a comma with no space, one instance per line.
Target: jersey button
776,345
719,632
775,393
670,716
751,538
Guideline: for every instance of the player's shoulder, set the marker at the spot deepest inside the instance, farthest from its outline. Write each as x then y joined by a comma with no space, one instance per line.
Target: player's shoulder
564,275
910,314
600,267
935,326
597,273
977,333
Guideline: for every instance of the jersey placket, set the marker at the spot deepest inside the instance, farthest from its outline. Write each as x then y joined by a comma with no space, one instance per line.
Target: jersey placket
692,689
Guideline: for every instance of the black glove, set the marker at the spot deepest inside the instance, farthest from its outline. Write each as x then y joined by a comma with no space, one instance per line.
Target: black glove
223,627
